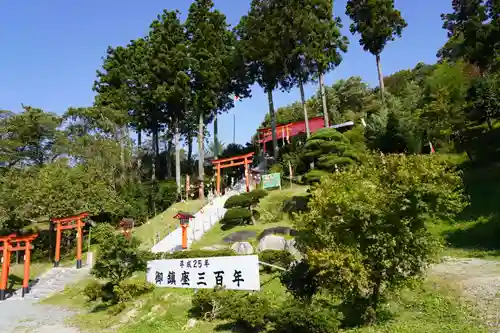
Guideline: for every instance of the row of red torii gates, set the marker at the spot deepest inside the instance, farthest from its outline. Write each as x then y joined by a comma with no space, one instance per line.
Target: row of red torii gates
13,243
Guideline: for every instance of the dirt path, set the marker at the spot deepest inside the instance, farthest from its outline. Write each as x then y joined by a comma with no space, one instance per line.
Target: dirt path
479,282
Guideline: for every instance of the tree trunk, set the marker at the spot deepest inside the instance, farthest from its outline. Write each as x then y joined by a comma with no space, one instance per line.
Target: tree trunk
380,76
154,156
201,156
216,141
139,152
190,147
177,158
323,98
273,123
303,100
169,158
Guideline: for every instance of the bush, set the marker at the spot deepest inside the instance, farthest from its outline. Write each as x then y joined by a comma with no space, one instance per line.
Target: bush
236,216
126,291
275,257
119,257
102,232
253,313
166,195
93,291
306,318
214,304
366,233
239,201
297,204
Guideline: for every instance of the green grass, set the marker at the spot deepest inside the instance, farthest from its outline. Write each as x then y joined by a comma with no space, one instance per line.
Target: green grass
16,273
476,231
164,223
271,215
430,307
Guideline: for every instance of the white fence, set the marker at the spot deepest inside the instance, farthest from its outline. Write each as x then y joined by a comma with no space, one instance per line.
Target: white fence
203,221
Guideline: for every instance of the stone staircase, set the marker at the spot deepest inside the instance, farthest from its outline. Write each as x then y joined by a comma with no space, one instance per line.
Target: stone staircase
53,281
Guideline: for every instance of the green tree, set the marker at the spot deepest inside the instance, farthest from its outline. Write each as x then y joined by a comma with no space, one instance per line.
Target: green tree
28,138
315,41
330,151
366,232
264,51
484,99
214,73
473,32
170,65
377,22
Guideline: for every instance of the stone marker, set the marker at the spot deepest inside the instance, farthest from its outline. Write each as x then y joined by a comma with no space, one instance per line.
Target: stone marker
242,248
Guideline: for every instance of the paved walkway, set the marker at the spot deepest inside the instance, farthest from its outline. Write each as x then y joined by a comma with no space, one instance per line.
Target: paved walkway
203,221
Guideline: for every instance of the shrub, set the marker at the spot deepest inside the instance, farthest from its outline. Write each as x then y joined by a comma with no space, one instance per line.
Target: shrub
297,204
126,291
306,318
93,291
275,257
236,216
119,257
366,233
253,313
102,232
214,304
238,201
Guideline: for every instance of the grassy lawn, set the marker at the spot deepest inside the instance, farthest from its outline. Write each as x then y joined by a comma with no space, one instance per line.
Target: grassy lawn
16,273
164,223
431,307
476,232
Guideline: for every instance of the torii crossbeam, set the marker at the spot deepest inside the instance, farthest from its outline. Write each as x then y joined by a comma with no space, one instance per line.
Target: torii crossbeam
245,160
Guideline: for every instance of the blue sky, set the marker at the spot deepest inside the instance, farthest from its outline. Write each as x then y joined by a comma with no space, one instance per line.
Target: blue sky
51,49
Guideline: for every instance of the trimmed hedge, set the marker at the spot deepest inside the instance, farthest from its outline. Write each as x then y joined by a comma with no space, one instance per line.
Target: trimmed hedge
275,257
296,204
236,216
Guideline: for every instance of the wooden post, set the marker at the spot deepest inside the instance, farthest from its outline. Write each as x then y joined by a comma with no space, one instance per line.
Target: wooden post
247,181
27,263
218,179
5,269
57,256
184,236
79,239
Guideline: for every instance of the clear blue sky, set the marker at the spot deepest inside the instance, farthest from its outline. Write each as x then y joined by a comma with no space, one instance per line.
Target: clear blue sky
50,50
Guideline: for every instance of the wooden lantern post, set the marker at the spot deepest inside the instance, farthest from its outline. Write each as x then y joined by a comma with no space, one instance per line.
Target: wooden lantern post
245,160
184,222
70,222
13,243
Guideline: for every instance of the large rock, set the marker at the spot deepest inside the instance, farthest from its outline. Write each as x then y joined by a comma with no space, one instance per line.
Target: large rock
242,248
272,242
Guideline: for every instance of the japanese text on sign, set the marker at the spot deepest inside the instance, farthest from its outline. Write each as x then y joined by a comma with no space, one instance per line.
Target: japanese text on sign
271,180
235,272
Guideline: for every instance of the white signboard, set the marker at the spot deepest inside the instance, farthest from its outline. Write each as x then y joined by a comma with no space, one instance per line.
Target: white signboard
235,272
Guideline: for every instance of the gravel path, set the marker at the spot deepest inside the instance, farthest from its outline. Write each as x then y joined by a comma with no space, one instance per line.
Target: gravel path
26,316
479,282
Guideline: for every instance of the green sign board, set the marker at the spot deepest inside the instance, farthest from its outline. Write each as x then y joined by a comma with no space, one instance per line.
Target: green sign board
271,180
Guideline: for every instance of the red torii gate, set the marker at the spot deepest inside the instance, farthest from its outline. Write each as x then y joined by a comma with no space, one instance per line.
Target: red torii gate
12,243
65,223
245,160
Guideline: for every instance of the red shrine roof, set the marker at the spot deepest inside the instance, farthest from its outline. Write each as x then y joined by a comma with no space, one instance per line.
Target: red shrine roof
291,129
